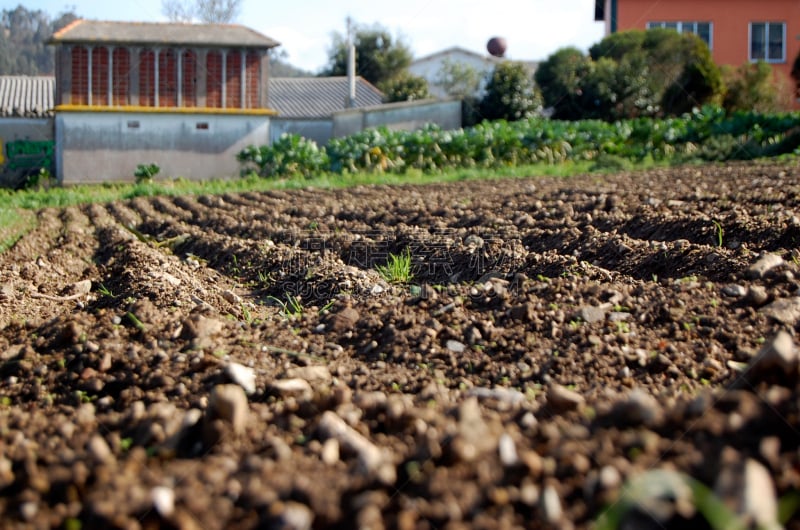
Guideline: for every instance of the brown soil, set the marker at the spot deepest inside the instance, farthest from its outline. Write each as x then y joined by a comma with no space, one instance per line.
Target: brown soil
559,338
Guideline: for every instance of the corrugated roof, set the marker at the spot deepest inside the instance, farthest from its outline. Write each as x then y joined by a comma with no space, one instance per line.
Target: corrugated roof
318,97
161,33
27,96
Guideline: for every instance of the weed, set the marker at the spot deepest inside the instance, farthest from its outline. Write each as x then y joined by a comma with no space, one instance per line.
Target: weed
291,308
126,443
719,232
246,314
398,268
135,321
623,327
105,291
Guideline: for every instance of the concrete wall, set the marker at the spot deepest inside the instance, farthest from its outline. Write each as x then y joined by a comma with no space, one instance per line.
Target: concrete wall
26,146
319,130
108,146
399,116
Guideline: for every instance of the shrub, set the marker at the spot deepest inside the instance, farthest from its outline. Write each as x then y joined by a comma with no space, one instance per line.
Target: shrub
510,94
753,87
405,87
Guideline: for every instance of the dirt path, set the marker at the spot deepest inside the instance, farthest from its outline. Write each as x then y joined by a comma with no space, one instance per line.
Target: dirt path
237,361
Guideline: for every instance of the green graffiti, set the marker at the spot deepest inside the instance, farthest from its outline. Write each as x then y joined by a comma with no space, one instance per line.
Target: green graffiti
29,154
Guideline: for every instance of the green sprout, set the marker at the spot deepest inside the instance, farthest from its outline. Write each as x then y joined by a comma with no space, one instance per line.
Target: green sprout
397,269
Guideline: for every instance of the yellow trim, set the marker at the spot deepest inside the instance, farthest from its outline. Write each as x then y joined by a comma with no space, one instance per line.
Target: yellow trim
165,110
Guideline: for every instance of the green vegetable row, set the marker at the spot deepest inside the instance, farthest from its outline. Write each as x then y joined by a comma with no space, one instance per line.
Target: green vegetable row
707,134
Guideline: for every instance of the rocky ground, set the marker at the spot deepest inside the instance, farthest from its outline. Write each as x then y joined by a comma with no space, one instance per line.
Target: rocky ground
565,349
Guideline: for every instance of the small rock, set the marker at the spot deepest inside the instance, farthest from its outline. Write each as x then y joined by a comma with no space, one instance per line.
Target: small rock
200,330
747,487
638,408
296,516
312,374
330,451
562,399
764,265
780,354
163,499
509,396
231,297
243,376
296,387
551,505
757,295
474,436
344,320
523,312
98,450
372,461
81,287
229,403
592,314
734,291
508,451
455,346
6,472
784,310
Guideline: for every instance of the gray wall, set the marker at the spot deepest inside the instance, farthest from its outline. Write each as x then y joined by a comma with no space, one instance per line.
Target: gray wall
399,116
319,130
26,145
108,146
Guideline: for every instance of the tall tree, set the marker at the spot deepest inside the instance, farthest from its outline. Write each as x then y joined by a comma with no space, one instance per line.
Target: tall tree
208,11
23,41
379,57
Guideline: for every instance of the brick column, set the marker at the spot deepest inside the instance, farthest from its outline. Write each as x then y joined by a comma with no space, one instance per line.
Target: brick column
263,84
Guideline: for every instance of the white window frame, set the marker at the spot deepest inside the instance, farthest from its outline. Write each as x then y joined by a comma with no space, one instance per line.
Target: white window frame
680,26
766,58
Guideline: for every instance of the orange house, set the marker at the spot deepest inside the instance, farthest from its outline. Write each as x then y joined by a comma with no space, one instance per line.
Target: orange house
736,31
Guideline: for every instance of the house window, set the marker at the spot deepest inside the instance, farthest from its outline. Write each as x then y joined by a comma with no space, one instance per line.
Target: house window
147,78
214,80
701,29
768,42
80,76
100,76
189,78
252,79
167,78
121,65
233,80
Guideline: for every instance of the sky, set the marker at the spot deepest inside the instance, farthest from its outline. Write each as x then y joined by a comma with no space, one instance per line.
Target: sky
533,29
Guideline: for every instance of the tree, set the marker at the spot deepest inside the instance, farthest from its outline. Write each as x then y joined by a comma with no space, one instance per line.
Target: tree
510,94
560,79
460,80
23,41
379,57
631,74
207,11
405,87
753,87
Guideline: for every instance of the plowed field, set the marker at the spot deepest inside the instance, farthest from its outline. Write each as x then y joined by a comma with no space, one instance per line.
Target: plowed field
562,347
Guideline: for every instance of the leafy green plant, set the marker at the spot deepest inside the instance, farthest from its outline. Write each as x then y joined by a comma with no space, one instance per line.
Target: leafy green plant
397,268
145,173
291,155
719,232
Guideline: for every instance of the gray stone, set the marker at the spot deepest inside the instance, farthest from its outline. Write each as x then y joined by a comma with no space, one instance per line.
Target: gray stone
592,314
747,487
242,375
296,516
734,291
562,399
98,450
510,396
296,387
371,459
637,408
551,505
455,346
163,499
312,374
474,435
779,354
757,295
784,310
508,451
229,403
764,265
